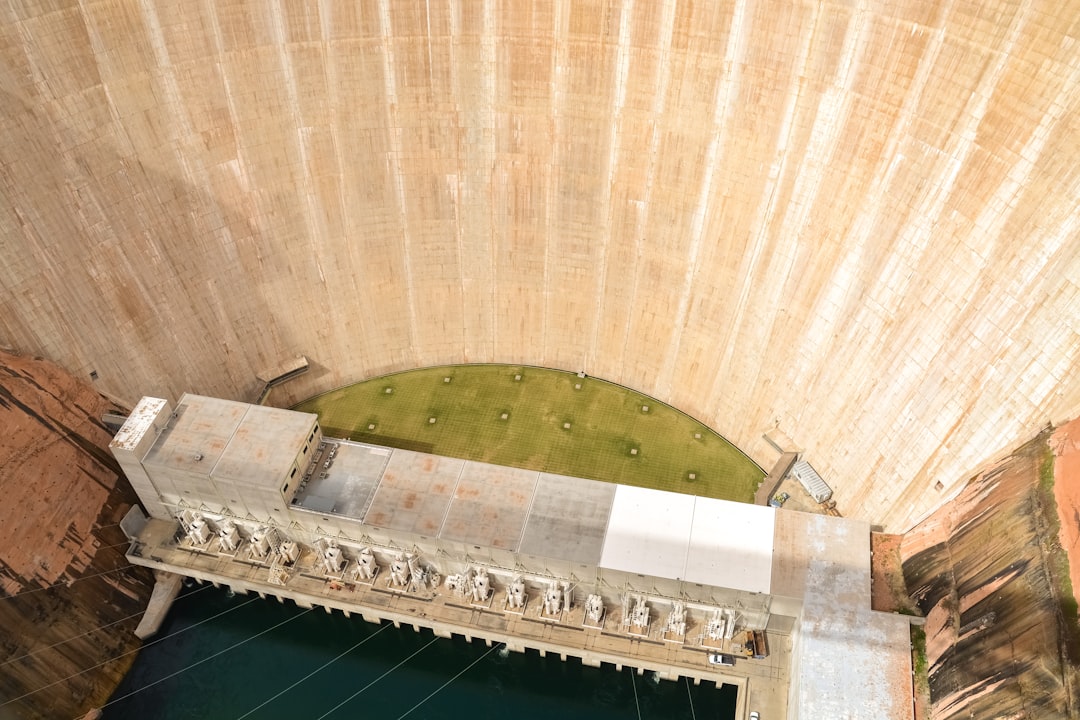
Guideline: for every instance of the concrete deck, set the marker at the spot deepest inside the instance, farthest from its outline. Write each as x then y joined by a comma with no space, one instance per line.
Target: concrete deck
772,481
344,485
763,684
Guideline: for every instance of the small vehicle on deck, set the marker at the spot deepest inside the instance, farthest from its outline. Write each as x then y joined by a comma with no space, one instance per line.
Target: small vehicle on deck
722,659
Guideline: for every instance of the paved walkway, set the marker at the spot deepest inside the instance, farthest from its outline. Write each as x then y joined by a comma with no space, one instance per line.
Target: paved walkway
776,476
761,683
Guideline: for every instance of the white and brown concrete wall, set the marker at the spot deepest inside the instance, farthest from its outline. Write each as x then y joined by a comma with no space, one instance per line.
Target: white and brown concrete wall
851,223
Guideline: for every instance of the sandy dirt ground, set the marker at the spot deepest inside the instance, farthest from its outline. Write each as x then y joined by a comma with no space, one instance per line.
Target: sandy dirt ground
887,590
1066,445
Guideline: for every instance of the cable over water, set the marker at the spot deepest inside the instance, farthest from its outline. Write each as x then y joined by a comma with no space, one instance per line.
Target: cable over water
445,684
314,672
414,676
123,654
376,680
206,659
91,631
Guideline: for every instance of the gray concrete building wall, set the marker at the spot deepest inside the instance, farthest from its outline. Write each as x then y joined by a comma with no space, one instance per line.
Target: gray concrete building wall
852,225
458,513
129,448
710,558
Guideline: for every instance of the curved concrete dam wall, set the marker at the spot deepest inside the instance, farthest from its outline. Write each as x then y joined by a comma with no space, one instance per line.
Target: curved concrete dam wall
855,224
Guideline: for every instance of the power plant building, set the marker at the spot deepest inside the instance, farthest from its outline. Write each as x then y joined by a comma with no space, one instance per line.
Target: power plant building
776,602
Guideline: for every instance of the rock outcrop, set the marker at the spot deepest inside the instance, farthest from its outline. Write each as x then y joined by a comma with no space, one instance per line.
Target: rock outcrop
69,600
986,570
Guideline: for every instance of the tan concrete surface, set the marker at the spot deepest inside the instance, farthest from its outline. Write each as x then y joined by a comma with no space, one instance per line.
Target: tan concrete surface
853,223
166,588
763,682
771,484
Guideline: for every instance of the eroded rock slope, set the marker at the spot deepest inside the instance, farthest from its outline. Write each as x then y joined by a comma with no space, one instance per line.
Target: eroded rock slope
983,570
69,600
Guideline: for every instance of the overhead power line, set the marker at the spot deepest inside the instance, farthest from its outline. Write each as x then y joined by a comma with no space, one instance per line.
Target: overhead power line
313,672
117,657
94,630
377,679
443,686
65,582
207,659
633,683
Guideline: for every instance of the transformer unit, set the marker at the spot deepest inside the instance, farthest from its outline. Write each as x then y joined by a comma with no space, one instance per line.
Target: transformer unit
811,481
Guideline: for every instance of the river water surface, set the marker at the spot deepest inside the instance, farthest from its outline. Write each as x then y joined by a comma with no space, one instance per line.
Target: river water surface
232,657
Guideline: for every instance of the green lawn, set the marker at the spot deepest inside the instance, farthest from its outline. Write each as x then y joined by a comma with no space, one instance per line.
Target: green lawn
610,435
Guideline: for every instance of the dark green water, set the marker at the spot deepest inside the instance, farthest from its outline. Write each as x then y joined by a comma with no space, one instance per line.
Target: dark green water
194,673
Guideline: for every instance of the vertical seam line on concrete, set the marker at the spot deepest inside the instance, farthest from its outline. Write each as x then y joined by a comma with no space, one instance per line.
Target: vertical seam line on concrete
958,147
394,166
659,106
767,206
820,320
378,485
528,513
453,497
821,149
559,64
489,59
621,69
726,91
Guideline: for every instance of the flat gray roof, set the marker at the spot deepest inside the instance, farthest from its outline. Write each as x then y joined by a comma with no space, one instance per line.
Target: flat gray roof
632,529
490,506
472,503
568,519
196,434
348,487
264,445
246,444
414,493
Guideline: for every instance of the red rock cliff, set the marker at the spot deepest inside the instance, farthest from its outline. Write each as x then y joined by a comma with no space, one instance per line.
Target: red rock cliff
69,600
986,570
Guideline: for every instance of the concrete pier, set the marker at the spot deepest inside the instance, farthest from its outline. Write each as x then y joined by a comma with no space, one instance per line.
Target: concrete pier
761,683
776,476
166,589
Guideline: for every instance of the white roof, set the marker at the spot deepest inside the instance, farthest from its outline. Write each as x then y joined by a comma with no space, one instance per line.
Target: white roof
731,545
648,532
702,540
138,423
